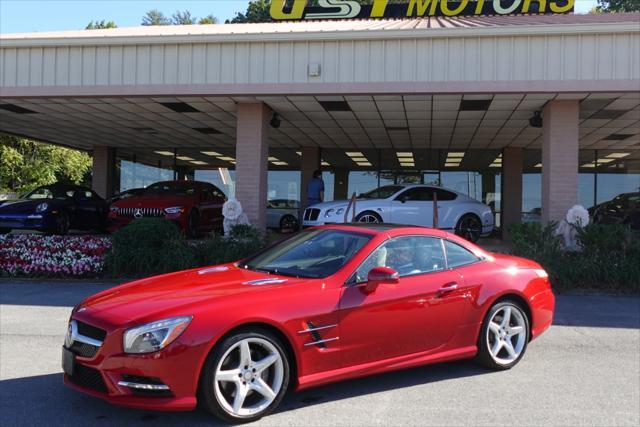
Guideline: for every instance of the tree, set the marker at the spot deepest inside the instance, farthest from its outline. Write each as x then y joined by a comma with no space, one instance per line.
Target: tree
100,25
155,17
183,18
618,6
26,164
209,19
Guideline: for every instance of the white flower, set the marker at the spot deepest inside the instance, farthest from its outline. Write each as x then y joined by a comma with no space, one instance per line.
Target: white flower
578,216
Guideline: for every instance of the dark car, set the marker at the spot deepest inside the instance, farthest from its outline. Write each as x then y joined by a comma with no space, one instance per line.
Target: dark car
55,208
622,209
193,206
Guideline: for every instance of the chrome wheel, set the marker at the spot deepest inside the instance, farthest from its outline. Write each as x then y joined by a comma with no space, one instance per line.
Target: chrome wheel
368,217
469,228
288,222
248,377
506,334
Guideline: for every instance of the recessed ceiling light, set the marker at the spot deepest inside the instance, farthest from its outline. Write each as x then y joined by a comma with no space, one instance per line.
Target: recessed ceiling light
539,165
323,163
164,153
617,155
456,154
198,162
186,158
273,159
354,154
226,158
359,159
404,154
589,165
335,105
605,160
279,163
180,107
495,165
407,164
299,153
211,153
363,163
452,165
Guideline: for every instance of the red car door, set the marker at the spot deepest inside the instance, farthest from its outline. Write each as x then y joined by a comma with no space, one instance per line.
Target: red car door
420,313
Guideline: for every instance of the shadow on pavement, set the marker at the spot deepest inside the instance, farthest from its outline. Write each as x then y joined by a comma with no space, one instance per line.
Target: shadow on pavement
30,400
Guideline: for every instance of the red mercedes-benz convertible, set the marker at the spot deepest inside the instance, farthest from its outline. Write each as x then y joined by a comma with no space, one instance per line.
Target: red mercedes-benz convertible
327,304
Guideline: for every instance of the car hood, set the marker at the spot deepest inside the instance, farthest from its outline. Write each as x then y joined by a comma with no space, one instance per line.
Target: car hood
176,294
154,201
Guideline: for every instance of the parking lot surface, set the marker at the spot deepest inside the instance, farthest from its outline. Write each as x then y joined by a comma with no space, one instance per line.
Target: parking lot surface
584,371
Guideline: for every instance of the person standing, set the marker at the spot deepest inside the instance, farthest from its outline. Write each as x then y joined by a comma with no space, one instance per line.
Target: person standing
315,189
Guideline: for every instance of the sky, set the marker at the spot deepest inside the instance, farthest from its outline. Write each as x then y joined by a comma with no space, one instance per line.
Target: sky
17,16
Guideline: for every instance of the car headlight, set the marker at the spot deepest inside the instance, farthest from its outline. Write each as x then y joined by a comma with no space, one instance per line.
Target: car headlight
174,210
42,207
333,212
154,336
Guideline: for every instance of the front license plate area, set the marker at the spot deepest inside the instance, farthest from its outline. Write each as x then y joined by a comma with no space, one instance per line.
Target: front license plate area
68,361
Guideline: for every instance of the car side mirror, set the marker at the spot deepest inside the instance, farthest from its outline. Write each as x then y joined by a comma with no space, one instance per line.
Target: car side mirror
378,276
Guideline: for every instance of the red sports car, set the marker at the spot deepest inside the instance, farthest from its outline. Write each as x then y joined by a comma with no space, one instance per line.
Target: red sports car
327,304
193,206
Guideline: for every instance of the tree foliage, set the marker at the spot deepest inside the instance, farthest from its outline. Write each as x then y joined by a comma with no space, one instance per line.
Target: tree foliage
27,164
618,6
100,25
155,17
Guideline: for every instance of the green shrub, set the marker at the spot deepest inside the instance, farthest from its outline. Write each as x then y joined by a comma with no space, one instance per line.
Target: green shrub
149,246
243,240
609,259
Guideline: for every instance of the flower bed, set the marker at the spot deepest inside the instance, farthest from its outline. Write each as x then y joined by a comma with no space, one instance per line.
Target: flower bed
31,255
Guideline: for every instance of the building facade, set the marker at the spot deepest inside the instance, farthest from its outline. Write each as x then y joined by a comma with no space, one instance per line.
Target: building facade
528,113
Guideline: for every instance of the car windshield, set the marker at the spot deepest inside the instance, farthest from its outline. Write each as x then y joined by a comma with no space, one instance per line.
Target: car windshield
309,254
172,188
50,193
382,192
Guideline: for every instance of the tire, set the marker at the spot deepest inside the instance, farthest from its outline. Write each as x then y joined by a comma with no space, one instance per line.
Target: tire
219,396
62,224
192,224
288,222
494,330
369,217
469,227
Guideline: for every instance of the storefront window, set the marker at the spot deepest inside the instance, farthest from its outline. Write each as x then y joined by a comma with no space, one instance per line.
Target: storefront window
284,185
361,182
222,178
139,175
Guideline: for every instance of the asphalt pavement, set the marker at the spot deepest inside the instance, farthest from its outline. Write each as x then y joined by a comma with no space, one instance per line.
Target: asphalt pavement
585,370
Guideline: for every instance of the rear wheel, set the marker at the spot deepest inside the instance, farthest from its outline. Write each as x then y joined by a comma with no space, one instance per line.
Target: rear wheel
368,217
245,377
469,227
504,336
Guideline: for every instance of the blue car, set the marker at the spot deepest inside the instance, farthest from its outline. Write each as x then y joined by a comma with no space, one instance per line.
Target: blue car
54,208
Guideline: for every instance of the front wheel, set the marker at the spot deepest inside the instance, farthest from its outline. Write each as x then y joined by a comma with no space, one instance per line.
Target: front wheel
504,336
288,223
368,217
469,227
245,377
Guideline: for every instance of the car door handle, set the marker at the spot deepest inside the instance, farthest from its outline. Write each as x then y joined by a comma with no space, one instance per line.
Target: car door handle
449,287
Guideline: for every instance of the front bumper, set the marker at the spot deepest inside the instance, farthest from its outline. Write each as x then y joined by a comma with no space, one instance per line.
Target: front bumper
105,372
26,221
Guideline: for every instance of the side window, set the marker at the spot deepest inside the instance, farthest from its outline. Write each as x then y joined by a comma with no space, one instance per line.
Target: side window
457,255
407,255
444,195
421,194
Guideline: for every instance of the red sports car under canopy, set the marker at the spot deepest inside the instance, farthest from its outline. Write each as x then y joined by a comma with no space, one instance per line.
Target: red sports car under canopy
327,304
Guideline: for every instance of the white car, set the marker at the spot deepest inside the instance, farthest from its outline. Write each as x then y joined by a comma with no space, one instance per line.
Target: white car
282,214
410,205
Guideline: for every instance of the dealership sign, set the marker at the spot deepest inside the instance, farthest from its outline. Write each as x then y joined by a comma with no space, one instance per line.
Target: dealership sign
294,10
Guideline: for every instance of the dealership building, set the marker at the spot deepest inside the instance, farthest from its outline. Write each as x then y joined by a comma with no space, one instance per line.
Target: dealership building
528,113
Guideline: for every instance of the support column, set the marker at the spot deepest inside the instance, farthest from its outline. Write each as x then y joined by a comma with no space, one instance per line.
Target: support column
559,158
103,172
310,162
251,161
511,188
341,184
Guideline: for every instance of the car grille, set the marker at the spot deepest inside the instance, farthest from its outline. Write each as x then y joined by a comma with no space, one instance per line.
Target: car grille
84,350
90,378
153,212
311,214
91,331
